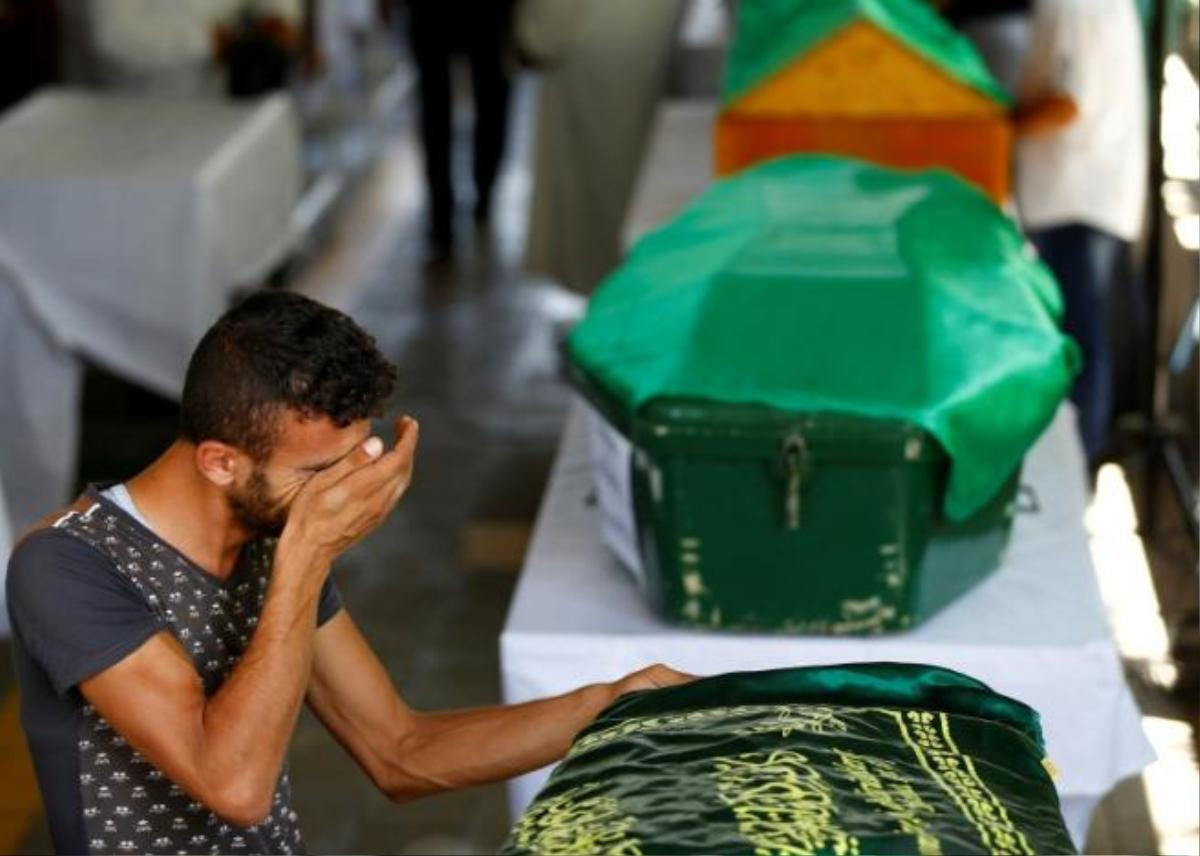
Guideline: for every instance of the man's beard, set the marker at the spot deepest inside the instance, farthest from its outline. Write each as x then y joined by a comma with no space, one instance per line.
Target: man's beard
254,508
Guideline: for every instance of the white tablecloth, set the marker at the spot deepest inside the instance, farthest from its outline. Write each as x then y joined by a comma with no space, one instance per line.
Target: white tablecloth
1035,630
125,224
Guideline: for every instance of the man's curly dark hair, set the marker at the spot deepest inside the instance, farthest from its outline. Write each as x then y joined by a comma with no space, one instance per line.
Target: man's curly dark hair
278,350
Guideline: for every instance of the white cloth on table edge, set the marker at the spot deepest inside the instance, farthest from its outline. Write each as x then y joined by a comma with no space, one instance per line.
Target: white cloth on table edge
182,200
126,222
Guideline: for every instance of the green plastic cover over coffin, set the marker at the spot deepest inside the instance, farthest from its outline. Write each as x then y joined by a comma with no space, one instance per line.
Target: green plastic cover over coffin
824,285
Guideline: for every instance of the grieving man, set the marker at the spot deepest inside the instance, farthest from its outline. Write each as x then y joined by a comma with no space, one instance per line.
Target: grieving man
168,629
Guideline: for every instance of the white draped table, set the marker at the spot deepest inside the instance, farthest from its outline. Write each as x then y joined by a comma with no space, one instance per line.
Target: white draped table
125,225
1035,630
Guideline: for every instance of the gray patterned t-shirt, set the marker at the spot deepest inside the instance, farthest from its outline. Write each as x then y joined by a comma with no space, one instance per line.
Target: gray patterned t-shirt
83,594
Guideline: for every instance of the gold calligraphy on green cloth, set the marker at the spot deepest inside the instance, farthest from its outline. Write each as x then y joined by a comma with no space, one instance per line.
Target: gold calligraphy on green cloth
798,779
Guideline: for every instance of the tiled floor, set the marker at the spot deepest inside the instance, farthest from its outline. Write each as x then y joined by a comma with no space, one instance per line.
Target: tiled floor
476,348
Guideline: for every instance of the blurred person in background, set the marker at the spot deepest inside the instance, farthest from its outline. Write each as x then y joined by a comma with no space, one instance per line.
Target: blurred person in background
1081,170
168,629
999,29
438,29
604,68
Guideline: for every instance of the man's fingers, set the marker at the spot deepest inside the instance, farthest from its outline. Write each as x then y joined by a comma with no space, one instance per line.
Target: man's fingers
390,473
408,431
674,677
394,469
329,488
399,463
363,454
661,676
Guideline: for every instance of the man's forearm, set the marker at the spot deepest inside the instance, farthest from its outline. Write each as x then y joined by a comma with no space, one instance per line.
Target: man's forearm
249,722
456,749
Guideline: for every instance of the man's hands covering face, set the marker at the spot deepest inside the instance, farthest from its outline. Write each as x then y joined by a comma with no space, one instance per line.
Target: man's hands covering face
344,503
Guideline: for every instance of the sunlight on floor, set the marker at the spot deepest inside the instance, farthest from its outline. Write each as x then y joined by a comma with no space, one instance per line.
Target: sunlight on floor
1172,784
1122,570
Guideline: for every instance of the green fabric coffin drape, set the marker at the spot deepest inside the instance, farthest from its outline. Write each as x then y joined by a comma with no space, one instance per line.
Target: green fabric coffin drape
872,758
820,284
773,33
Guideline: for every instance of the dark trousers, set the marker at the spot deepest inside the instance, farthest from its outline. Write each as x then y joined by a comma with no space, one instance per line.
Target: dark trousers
1086,262
480,29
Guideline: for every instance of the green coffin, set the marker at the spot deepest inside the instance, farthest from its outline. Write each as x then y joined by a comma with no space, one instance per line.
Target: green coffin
830,373
865,759
756,519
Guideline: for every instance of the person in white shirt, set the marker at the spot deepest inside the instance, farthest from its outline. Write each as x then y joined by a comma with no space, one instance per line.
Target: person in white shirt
1081,166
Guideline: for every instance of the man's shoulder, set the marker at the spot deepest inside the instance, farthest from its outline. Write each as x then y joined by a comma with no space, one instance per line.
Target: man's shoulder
49,523
48,551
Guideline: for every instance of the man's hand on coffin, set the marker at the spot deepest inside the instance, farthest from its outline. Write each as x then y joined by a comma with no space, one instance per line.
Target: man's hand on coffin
653,677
